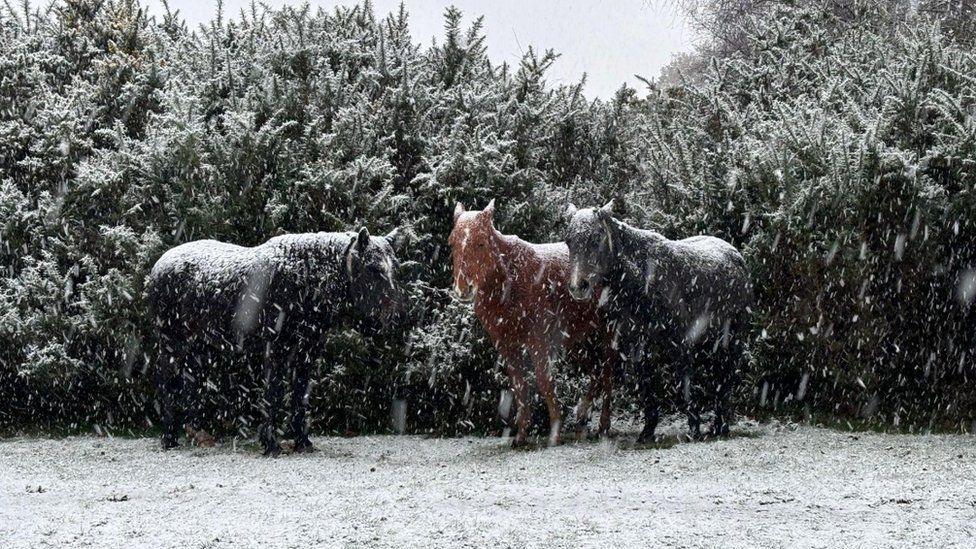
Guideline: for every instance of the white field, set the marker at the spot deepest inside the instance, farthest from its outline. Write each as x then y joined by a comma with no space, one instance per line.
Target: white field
770,486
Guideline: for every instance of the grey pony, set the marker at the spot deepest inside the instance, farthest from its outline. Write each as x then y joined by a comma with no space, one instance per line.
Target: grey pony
272,303
684,301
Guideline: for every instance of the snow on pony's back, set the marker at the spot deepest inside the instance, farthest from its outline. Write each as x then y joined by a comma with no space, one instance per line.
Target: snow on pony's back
232,282
212,261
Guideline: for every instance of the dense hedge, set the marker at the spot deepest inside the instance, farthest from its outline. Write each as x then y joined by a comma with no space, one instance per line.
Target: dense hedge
836,150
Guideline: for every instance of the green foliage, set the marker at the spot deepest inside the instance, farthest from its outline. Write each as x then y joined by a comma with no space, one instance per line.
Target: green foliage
836,149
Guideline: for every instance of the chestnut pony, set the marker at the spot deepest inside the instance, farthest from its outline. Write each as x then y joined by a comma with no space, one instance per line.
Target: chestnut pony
521,296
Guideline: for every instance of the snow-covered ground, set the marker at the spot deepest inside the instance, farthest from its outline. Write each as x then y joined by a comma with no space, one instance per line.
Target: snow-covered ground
770,486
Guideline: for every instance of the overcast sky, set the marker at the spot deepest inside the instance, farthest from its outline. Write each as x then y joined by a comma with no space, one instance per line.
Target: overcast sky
609,41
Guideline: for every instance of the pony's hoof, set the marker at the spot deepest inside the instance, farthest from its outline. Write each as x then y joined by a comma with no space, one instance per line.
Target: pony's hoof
204,439
272,450
304,447
170,443
721,431
519,443
647,437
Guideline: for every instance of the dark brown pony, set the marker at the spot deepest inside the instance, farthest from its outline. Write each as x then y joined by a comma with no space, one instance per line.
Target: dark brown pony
521,296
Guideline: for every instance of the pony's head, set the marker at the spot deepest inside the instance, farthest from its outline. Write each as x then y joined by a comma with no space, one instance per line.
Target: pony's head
591,249
474,250
376,298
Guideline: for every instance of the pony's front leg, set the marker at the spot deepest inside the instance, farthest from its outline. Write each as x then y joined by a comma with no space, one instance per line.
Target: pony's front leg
648,388
583,408
299,404
607,398
731,361
543,378
523,404
194,378
169,391
686,370
276,364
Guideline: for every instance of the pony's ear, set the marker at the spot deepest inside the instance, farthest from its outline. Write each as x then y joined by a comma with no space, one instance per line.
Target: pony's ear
608,207
488,214
362,240
347,254
458,210
570,211
398,239
489,210
609,224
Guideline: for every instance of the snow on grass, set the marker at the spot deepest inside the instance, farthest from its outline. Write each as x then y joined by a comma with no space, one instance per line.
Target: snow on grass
769,486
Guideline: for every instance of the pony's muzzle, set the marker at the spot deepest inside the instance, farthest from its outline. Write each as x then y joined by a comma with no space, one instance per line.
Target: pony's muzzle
464,290
581,289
